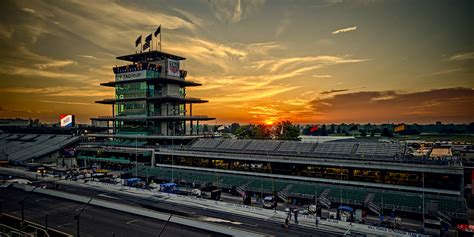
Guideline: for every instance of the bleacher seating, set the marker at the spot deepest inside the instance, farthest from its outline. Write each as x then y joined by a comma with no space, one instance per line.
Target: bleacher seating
334,149
266,185
24,147
378,149
296,147
206,143
229,180
263,145
400,200
342,148
231,144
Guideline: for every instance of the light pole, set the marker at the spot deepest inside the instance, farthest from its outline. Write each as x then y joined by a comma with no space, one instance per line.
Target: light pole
162,229
77,216
172,159
136,157
22,203
423,198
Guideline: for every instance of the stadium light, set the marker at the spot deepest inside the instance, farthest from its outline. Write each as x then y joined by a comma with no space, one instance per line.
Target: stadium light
22,203
78,215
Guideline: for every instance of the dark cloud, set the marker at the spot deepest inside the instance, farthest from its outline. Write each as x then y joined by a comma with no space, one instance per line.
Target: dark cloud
333,91
447,105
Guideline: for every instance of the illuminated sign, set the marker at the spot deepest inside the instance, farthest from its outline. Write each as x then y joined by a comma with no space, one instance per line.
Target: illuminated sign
67,120
173,68
131,75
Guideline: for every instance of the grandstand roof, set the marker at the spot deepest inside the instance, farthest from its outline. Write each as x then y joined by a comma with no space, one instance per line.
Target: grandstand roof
23,147
154,80
155,98
293,150
166,118
153,55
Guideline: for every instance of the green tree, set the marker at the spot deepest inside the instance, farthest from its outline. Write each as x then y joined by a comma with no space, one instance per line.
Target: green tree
234,127
244,131
286,131
323,131
205,128
253,132
386,133
262,132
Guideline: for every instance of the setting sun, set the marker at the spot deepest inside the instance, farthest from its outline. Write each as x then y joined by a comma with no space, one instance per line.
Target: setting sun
269,121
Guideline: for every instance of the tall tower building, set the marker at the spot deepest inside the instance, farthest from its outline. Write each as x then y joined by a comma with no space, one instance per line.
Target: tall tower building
150,98
150,109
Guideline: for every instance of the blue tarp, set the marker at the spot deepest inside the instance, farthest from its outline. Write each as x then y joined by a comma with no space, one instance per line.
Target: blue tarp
268,198
168,185
346,208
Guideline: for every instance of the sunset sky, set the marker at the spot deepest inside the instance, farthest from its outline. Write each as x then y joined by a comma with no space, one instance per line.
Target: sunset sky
315,61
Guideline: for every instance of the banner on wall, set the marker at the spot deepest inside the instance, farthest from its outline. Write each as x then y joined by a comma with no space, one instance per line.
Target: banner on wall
173,68
67,120
130,75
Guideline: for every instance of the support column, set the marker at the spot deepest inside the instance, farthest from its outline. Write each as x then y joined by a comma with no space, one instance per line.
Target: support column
153,158
191,114
113,122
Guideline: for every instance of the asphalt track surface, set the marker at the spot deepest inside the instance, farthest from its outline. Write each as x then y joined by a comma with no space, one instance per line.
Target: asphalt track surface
122,224
94,221
268,227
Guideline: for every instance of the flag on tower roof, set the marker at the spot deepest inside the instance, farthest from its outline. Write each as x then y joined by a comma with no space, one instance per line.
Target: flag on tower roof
138,41
157,31
148,38
146,45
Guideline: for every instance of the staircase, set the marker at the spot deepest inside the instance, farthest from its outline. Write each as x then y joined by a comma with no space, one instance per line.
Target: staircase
374,208
443,217
325,193
241,189
368,199
283,194
323,200
369,203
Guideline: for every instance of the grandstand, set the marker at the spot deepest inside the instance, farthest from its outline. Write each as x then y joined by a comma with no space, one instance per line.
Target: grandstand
410,202
366,150
361,173
20,148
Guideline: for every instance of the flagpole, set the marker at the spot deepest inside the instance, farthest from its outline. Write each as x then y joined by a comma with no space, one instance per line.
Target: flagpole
160,37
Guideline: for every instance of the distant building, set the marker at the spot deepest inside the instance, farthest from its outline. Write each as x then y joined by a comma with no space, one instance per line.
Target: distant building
17,122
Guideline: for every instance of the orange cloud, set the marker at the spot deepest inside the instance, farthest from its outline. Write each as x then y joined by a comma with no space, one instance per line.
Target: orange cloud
450,105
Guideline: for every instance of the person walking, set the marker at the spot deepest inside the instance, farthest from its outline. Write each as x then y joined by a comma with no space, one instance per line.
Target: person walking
296,215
